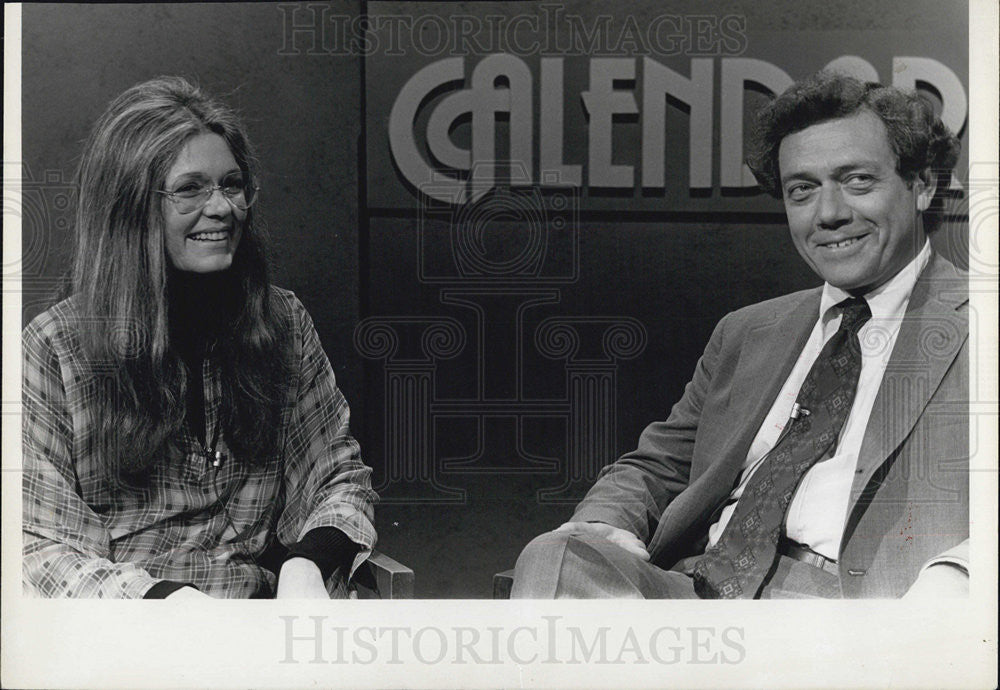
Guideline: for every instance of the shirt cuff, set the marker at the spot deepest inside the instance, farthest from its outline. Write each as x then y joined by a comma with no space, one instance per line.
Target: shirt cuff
164,588
327,547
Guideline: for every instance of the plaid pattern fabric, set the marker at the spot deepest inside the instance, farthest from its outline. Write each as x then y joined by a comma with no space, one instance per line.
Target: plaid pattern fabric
86,535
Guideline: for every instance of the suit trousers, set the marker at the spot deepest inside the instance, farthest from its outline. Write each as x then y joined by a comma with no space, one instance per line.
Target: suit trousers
569,565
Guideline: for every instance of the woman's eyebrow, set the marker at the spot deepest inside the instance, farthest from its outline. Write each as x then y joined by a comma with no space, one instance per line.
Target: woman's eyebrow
191,174
200,175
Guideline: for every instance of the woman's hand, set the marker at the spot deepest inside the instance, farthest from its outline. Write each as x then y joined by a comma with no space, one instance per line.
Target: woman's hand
300,578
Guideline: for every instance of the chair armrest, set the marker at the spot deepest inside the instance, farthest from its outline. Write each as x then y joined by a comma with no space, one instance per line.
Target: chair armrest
502,583
393,579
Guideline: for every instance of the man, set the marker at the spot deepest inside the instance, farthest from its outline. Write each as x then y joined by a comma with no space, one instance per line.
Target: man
821,447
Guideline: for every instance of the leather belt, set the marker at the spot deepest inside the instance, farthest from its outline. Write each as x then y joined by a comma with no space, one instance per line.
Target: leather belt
806,555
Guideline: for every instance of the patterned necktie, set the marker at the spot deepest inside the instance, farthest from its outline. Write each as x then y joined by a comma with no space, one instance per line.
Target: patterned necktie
736,566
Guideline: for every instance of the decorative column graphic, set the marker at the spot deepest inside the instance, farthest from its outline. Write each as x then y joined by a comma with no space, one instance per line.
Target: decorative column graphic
409,390
500,263
592,392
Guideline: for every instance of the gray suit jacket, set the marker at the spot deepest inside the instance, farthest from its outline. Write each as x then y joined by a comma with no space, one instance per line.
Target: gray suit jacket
910,497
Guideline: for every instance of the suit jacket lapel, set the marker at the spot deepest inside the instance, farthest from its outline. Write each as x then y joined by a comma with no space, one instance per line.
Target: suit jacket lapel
929,338
767,355
766,359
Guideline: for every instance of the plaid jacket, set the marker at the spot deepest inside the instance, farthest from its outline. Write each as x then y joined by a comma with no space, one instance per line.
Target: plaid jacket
85,536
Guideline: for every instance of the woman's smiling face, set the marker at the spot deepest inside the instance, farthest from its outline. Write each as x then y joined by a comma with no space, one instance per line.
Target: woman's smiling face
205,240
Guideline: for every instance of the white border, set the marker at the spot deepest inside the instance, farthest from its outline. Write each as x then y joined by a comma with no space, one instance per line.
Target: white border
787,644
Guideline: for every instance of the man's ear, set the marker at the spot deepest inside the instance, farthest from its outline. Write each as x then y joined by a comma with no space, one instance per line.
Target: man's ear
925,185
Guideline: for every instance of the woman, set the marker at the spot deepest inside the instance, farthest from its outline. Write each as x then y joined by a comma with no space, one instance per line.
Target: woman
183,433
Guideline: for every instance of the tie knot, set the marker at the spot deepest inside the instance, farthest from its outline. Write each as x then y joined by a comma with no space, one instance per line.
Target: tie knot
855,314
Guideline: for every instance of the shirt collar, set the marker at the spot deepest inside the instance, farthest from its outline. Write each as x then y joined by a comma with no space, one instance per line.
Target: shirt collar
889,300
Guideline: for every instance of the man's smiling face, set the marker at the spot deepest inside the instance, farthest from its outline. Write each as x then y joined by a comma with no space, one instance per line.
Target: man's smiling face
853,219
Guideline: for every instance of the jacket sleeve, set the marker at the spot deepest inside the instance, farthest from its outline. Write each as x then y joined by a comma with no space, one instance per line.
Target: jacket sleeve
326,483
633,492
957,556
66,548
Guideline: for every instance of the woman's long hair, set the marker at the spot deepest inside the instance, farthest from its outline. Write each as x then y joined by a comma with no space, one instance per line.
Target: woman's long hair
120,277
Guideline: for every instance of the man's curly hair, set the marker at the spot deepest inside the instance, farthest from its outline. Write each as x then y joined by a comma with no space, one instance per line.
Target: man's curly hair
917,136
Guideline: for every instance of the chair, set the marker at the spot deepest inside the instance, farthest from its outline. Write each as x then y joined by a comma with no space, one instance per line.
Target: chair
502,583
382,577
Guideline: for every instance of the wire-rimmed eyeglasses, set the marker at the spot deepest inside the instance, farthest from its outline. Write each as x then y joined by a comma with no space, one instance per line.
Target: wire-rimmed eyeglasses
194,194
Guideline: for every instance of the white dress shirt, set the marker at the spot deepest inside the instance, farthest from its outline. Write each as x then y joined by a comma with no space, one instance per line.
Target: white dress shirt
818,510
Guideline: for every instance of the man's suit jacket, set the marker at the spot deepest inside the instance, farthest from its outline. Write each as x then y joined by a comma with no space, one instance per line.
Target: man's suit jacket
910,496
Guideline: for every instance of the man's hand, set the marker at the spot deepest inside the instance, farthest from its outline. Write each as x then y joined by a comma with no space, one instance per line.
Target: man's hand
615,535
187,593
300,578
940,581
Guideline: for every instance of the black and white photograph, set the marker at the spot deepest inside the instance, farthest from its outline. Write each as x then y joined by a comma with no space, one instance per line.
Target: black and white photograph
480,342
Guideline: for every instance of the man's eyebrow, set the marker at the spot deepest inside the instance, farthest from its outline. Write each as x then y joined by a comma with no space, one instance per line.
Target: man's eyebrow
848,167
837,172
